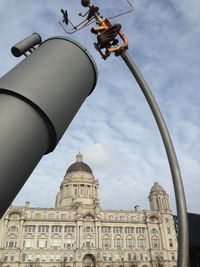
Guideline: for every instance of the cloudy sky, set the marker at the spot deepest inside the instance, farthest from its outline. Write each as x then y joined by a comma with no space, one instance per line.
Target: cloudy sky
114,129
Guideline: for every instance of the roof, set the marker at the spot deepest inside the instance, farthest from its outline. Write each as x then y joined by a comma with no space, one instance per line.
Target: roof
156,187
79,165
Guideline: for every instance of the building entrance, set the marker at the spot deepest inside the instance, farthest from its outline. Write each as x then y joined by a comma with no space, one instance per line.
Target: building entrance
89,260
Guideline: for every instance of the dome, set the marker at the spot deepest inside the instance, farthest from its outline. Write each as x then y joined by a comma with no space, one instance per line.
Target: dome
156,187
79,166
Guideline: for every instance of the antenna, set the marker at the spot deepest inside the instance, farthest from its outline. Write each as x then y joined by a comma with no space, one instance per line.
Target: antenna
107,33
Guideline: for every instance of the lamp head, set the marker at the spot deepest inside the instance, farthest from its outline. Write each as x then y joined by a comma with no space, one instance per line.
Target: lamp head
85,3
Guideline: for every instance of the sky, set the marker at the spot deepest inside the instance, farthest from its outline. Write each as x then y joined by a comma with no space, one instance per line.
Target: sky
115,129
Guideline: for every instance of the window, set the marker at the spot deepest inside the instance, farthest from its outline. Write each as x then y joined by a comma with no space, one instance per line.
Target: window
69,229
106,242
12,257
29,257
42,243
37,257
29,228
75,189
129,242
15,216
44,216
170,243
55,242
118,242
5,257
129,230
140,230
117,230
13,229
155,242
88,241
141,257
43,228
57,216
154,231
106,229
52,257
173,257
88,229
141,242
167,220
23,257
43,257
168,230
56,229
153,219
28,242
11,243
68,242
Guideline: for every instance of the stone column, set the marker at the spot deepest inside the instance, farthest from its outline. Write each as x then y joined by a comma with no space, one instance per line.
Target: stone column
112,238
124,239
20,237
96,237
49,237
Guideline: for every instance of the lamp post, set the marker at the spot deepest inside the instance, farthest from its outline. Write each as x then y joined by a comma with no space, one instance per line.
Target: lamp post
183,237
108,43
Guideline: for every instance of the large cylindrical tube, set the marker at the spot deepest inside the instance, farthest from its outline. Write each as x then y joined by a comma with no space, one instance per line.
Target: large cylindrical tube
38,100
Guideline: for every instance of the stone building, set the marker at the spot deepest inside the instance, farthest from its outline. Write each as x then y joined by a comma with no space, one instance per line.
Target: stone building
78,233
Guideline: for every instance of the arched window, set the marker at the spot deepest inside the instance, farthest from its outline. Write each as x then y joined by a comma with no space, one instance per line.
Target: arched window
130,241
88,241
118,241
88,229
153,219
44,215
155,242
69,241
141,242
28,241
15,216
154,231
106,241
42,241
55,242
57,216
13,229
70,216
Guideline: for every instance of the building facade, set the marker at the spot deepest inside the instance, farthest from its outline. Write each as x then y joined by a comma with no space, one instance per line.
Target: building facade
78,233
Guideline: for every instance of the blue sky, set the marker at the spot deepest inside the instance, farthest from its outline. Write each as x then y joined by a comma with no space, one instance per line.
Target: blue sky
114,129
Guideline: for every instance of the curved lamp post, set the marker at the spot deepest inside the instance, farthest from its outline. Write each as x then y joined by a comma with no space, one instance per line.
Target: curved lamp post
108,36
183,236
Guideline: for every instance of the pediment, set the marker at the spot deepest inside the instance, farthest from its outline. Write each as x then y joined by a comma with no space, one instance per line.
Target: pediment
88,217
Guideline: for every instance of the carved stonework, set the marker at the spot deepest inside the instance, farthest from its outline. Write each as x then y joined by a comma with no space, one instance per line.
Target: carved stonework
89,218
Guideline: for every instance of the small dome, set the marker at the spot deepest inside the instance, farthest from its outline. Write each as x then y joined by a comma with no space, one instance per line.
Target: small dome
156,187
79,165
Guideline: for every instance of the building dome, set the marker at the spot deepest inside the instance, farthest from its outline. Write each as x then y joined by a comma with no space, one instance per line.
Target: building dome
156,187
79,166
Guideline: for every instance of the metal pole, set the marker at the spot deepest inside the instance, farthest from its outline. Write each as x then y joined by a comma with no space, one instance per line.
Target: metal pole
183,236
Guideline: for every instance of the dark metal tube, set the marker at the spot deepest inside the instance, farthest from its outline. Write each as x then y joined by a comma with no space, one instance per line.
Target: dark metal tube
183,235
26,44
